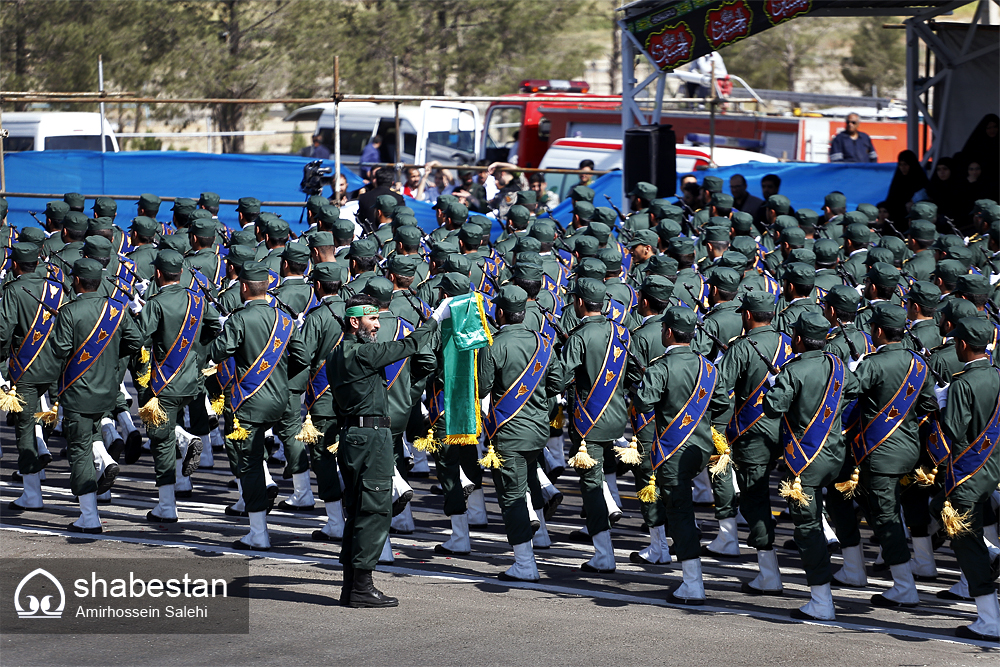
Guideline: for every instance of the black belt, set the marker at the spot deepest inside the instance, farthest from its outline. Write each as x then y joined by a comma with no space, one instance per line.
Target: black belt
367,422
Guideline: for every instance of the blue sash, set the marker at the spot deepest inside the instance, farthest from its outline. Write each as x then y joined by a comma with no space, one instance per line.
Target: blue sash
771,285
507,406
884,424
800,452
938,445
55,273
272,279
549,284
225,372
752,410
683,424
626,257
38,333
94,346
588,413
640,420
392,371
851,417
617,311
489,308
119,293
965,465
126,270
566,255
485,287
262,367
318,382
425,310
163,371
435,401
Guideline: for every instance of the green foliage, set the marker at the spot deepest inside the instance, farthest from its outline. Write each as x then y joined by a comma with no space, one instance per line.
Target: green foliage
141,143
298,141
878,57
773,59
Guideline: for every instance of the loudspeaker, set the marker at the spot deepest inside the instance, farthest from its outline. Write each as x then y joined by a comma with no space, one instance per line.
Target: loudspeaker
650,154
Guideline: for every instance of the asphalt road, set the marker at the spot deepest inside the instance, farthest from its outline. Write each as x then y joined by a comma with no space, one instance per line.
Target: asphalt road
454,610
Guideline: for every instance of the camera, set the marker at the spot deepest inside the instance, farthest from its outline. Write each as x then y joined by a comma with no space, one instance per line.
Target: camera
314,177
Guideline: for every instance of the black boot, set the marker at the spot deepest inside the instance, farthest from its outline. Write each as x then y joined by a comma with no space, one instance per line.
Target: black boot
345,591
365,595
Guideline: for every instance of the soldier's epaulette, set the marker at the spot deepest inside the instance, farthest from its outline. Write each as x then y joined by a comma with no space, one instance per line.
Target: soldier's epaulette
942,346
578,326
655,359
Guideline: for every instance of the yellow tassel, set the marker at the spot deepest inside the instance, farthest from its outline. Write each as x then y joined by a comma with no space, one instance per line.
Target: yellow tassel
794,493
10,401
239,433
334,447
309,433
649,493
218,404
49,417
426,443
144,356
629,455
954,523
492,459
582,460
721,464
143,380
461,439
152,414
210,371
559,421
923,477
850,487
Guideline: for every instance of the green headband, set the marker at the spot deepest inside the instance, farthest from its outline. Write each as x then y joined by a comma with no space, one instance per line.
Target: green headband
361,311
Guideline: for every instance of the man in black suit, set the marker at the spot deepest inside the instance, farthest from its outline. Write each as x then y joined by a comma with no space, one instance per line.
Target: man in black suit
366,202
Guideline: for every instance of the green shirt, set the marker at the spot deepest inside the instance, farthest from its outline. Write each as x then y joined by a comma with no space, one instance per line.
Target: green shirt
725,322
972,397
320,333
143,257
418,366
17,314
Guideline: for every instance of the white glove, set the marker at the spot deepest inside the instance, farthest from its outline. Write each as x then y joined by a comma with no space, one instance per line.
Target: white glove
300,321
141,286
135,305
942,395
994,278
966,240
222,320
771,380
860,289
853,364
443,311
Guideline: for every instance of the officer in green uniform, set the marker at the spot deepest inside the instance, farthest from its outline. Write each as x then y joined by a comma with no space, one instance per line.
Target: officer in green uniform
921,307
798,282
921,237
676,383
808,396
55,213
969,419
73,235
166,324
142,233
879,286
275,238
856,237
944,358
357,381
518,372
362,261
203,257
229,297
401,271
32,367
89,384
643,247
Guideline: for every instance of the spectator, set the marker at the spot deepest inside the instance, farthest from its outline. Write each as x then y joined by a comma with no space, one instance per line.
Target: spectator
908,180
742,199
770,185
944,190
382,180
470,192
973,188
371,152
586,165
441,182
852,145
344,194
546,198
317,151
512,148
413,182
983,147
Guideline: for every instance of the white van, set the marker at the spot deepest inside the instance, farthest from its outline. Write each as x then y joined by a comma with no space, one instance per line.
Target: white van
448,132
56,131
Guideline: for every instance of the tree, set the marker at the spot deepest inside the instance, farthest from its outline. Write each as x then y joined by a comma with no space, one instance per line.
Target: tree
878,58
774,58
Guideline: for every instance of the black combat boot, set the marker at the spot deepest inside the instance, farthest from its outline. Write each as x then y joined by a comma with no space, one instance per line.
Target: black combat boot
365,595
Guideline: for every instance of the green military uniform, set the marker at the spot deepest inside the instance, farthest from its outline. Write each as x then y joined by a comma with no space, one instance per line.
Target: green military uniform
143,255
802,276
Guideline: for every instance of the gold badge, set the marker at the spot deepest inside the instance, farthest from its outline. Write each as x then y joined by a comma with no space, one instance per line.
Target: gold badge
986,445
788,350
933,439
277,344
193,321
101,335
893,413
836,385
909,390
45,316
760,400
615,313
608,377
196,299
538,367
264,366
790,449
617,351
85,356
826,413
701,393
35,337
920,367
521,391
687,420
184,343
114,312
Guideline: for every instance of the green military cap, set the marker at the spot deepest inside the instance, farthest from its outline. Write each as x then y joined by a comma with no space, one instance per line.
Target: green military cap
97,247
959,253
671,212
885,275
712,183
105,207
403,265
742,222
75,200
585,245
380,289
408,236
855,218
987,209
801,274
343,228
924,294
785,222
545,232
879,255
715,234
779,204
857,232
886,315
807,217
277,229
200,213
457,263
870,211
812,325
974,331
661,265
254,271
667,229
793,236
895,245
99,224
441,250
644,190
924,210
591,267
720,221
955,310
295,252
149,202
644,237
525,197
327,272
804,255
590,290
455,284
734,260
948,270
264,218
76,221
528,268
443,201
826,251
327,214
512,299
482,221
169,261
315,203
599,231
680,319
680,246
657,287
835,200
203,227
746,246
458,211
321,240
402,210
582,193
527,244
725,279
972,284
366,247
210,199
583,210
405,221
922,230
248,205
605,215
23,252
33,235
470,234
184,206
178,242
758,301
946,241
638,221
240,254
87,269
842,297
722,200
243,237
385,204
56,210
995,230
518,215
611,257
